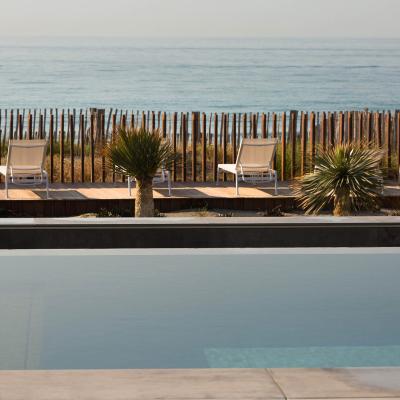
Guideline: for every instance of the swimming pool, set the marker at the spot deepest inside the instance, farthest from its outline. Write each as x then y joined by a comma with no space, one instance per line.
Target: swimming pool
115,309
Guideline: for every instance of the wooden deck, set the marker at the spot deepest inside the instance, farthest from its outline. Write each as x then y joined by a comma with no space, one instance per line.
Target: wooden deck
74,199
113,191
107,191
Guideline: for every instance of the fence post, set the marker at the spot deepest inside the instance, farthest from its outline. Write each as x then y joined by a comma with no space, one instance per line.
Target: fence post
215,164
83,145
184,138
40,128
283,148
11,132
103,144
62,133
20,127
164,125
234,133
350,127
293,140
72,146
341,128
274,133
378,128
388,139
51,142
143,120
204,147
132,124
92,121
312,141
194,146
224,141
244,125
254,126
174,133
361,128
304,123
264,126
153,121
323,130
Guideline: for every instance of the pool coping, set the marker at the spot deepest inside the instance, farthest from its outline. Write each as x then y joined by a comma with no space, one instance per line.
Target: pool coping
302,220
221,384
277,232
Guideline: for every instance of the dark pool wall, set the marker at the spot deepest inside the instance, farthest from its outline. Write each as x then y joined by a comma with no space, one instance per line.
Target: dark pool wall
200,233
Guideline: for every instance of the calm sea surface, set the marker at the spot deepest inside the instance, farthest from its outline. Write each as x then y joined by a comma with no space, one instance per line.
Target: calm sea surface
205,75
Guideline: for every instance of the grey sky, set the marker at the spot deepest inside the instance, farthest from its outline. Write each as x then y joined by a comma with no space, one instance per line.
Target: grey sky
198,18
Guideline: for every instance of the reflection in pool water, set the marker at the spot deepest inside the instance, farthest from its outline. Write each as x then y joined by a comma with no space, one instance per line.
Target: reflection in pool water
199,309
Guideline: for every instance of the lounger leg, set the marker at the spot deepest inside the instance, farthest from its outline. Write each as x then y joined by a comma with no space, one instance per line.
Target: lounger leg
237,184
47,188
169,184
6,186
276,184
129,186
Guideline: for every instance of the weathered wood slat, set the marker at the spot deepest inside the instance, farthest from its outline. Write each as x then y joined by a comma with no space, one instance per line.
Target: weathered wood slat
304,126
283,147
92,150
72,146
204,147
264,125
103,145
184,145
312,141
83,145
62,134
174,141
234,136
388,140
293,143
215,163
194,145
51,143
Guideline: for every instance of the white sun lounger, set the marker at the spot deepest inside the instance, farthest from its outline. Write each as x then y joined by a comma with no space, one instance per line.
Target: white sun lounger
26,164
254,163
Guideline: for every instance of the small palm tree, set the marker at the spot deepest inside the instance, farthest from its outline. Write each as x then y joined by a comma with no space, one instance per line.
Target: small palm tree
140,153
347,175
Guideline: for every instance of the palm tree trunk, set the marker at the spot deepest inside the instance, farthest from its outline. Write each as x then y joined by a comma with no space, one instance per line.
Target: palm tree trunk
144,202
342,206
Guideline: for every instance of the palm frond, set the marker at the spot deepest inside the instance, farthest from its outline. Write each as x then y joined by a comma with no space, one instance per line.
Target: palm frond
354,170
140,153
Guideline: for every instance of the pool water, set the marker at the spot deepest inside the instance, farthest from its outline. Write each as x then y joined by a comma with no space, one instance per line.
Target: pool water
116,309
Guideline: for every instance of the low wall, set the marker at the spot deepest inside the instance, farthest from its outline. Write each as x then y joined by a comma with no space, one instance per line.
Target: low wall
200,232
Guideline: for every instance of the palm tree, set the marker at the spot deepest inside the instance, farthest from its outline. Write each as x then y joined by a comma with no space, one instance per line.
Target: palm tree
347,175
140,153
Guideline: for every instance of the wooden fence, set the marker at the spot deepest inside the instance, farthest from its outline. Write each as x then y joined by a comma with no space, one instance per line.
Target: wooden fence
77,138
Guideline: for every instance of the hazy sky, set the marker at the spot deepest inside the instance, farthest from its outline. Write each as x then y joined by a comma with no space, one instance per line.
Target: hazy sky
198,18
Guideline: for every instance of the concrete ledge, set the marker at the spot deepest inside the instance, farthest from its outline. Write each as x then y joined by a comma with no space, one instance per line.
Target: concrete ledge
200,233
246,384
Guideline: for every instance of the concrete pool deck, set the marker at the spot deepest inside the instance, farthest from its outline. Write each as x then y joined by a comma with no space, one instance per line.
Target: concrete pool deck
247,384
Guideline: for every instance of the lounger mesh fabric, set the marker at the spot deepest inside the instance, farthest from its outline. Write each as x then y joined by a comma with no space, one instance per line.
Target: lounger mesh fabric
25,163
254,162
26,156
256,155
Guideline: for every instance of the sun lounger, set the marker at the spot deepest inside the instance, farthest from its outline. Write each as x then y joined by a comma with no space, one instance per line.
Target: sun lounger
254,163
25,164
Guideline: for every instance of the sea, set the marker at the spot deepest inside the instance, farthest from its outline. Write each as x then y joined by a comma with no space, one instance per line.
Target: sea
210,75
